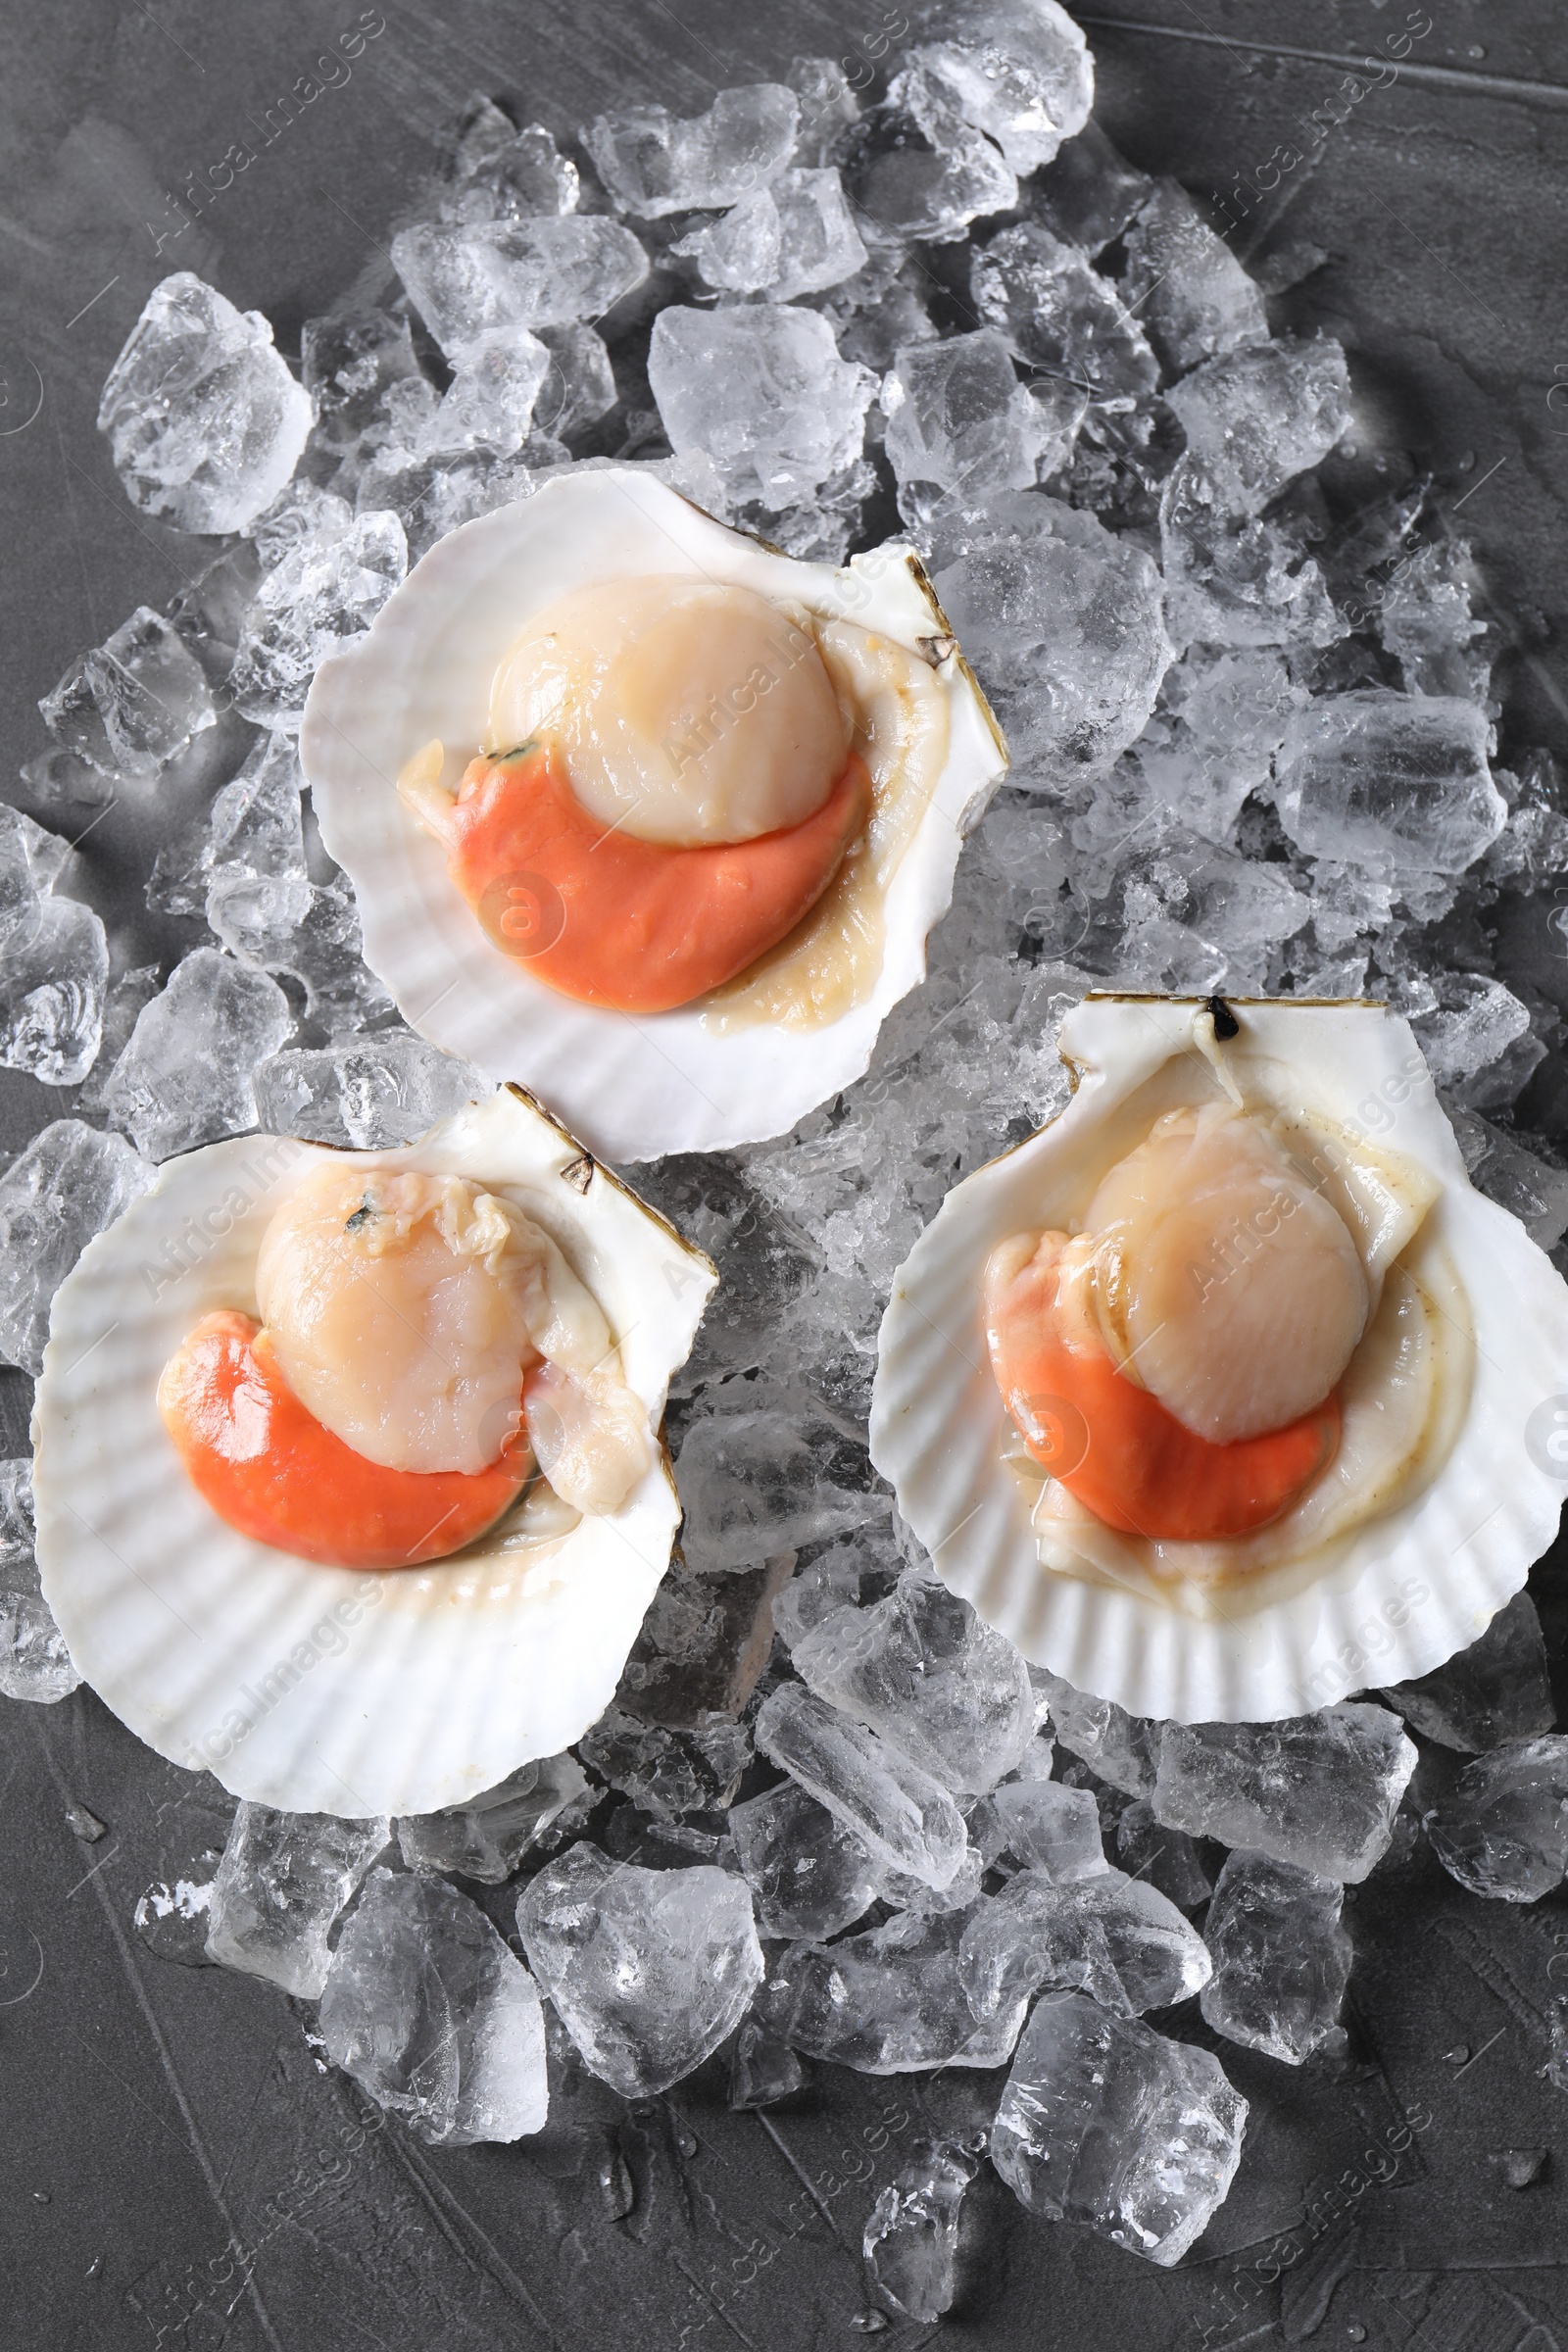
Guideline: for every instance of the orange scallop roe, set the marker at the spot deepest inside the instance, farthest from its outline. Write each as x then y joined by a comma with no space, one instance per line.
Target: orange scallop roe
270,1469
635,925
1118,1451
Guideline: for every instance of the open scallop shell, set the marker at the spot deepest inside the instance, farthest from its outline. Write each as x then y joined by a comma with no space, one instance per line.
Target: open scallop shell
322,1689
1410,1587
635,1087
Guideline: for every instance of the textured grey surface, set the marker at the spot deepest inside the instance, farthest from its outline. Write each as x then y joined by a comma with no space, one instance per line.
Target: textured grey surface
175,2168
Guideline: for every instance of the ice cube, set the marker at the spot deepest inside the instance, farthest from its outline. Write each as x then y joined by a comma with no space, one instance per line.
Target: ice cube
1497,1689
188,1073
205,423
958,418
763,2069
1395,783
374,1094
649,1970
1059,314
907,1819
1319,1791
703,1644
255,827
1051,1828
1065,624
1467,1039
1213,744
350,362
134,702
831,1581
1185,287
754,1485
761,388
654,162
890,2001
810,1876
318,601
1089,192
284,1882
915,171
1234,579
912,2238
487,1838
1114,1937
828,108
489,402
1018,69
1106,2124
1166,1858
668,1771
819,245
465,278
170,1915
931,1677
1282,1960
1122,1749
579,384
1258,417
54,975
68,1185
501,172
210,610
286,925
431,2014
1503,1828
740,250
1426,621
35,1661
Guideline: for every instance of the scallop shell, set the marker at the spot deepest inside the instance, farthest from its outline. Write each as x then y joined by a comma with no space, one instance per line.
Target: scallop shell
636,1088
1414,1586
322,1689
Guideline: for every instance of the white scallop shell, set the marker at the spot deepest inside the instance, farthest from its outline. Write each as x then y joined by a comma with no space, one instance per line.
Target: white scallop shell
316,1689
635,1087
1414,1586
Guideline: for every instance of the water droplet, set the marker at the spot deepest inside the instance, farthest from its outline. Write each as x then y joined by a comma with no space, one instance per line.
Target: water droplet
40,2196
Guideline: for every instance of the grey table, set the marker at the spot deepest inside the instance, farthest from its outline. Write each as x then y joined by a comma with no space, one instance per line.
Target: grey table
175,2169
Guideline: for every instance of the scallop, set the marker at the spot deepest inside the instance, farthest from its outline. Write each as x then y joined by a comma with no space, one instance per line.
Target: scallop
488,1312
1220,1396
645,815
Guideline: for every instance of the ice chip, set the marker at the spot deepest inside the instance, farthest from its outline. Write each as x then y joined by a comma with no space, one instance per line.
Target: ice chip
283,925
54,977
1059,313
754,1485
653,163
811,1877
1185,287
763,2069
187,1076
203,421
1396,783
1427,622
1282,1960
500,171
1167,1859
465,278
1258,417
579,383
1237,579
254,827
1122,1749
830,1583
132,703
931,1677
907,1819
740,250
1051,1828
1064,622
1498,1689
1111,1937
68,1185
318,600
283,1883
350,362
489,402
431,2014
819,245
373,1092
1089,193
827,107
664,1771
1106,2124
35,1661
1318,1791
911,2243
649,1970
1503,1828
890,2001
487,1838
915,171
1018,69
959,419
761,388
